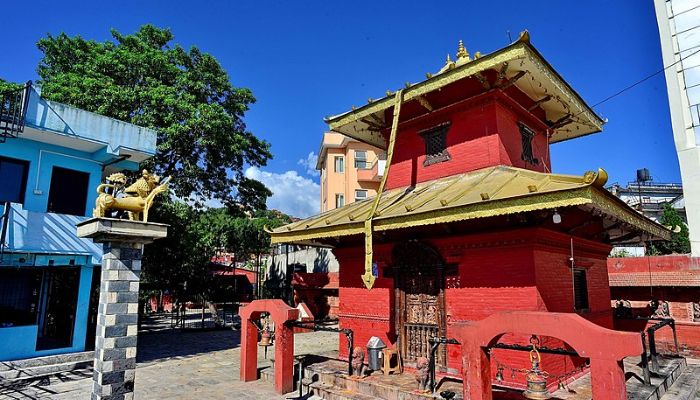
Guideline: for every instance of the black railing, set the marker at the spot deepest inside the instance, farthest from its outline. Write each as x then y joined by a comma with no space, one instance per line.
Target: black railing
434,343
13,109
652,355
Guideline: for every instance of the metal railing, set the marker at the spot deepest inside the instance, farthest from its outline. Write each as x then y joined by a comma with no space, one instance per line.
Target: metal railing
13,109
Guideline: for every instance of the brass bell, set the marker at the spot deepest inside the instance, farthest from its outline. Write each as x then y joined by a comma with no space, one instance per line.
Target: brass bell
536,379
265,338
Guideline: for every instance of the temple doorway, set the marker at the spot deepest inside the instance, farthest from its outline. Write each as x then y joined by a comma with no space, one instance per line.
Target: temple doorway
420,314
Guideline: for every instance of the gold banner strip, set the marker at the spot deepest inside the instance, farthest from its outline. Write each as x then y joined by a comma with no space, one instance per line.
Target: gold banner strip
368,278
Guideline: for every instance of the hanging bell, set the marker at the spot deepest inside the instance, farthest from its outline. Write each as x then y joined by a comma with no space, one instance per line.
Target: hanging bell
265,338
499,374
536,379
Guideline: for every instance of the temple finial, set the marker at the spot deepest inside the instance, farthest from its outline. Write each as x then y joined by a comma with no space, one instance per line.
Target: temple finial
449,60
462,52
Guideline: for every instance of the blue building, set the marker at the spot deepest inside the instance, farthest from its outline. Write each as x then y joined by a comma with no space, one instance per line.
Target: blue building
52,157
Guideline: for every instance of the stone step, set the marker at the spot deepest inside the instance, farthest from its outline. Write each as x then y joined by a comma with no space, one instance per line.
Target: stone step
47,360
74,368
670,369
330,392
686,386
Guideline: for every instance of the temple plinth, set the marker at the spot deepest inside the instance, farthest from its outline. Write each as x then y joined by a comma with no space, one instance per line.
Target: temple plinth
117,320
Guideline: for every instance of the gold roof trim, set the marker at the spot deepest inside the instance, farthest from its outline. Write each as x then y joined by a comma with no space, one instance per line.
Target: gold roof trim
507,191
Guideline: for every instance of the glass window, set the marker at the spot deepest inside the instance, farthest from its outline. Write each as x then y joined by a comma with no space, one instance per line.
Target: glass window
361,159
339,164
13,175
339,200
68,191
360,195
19,296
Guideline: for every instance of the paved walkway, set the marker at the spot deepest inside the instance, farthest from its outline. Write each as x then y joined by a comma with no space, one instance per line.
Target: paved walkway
185,365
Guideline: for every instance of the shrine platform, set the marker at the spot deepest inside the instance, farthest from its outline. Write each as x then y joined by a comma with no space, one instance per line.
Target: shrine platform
326,378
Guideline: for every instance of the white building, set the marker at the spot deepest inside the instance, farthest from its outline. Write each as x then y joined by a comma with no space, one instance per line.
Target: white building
679,30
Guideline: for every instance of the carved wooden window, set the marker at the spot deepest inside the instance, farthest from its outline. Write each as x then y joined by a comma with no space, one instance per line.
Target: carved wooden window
696,312
526,136
435,144
580,289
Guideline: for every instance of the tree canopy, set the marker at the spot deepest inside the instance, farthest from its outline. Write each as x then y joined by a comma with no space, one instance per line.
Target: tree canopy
195,236
185,95
680,242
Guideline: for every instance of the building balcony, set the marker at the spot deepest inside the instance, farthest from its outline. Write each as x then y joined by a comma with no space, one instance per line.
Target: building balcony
373,173
102,137
33,239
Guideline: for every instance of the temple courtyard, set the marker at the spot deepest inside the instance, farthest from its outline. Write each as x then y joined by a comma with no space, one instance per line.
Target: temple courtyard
181,365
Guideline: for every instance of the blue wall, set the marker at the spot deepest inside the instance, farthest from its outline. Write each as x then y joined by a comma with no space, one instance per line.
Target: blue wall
58,135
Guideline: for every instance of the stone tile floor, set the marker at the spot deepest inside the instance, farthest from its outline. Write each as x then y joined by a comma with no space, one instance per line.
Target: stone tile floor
184,365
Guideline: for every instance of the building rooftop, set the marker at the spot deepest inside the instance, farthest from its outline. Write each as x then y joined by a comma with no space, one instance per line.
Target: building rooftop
518,64
488,192
67,126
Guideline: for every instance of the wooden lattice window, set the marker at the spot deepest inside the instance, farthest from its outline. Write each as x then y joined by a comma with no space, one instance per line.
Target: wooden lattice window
526,136
580,289
436,144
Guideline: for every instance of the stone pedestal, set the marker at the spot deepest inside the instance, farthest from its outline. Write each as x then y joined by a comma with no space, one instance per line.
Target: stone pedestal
115,339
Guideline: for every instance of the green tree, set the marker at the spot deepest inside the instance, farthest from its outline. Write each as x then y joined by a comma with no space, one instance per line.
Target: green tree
679,243
184,94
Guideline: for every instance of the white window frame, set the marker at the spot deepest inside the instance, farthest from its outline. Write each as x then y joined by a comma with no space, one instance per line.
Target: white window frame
339,200
336,159
360,191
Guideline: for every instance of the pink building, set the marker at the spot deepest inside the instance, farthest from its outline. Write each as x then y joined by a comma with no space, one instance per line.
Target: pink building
350,170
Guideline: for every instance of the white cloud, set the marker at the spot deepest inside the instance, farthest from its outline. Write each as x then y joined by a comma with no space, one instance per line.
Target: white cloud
310,164
292,193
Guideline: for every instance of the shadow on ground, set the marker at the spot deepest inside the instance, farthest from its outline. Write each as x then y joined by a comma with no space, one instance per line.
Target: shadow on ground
173,343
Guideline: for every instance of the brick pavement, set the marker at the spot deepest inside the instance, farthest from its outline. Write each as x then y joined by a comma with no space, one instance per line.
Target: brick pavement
185,365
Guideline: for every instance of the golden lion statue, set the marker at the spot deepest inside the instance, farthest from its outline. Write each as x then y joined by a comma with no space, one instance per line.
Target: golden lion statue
136,199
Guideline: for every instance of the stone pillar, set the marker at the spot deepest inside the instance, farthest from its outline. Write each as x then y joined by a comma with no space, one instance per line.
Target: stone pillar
117,320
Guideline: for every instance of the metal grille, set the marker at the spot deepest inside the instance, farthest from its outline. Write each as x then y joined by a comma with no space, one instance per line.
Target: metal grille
418,335
436,144
526,136
13,108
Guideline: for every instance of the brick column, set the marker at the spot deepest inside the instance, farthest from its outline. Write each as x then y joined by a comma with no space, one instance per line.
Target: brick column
117,318
115,340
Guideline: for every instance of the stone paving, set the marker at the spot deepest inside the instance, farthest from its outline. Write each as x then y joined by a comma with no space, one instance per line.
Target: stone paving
185,365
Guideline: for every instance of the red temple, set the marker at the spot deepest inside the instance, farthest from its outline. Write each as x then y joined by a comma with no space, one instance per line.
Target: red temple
471,221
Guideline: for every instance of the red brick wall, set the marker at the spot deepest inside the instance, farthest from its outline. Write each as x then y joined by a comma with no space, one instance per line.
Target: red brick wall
517,270
483,133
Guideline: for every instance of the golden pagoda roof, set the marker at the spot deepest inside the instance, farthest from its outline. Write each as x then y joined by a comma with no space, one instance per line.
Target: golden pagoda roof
519,63
488,192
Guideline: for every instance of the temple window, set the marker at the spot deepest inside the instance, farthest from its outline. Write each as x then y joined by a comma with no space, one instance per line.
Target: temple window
436,144
526,136
339,164
580,290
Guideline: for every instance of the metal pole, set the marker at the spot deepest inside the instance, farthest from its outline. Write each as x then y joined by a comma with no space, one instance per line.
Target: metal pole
675,336
645,361
652,351
351,344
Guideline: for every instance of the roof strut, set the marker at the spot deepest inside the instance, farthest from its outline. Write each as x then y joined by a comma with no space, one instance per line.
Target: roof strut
368,277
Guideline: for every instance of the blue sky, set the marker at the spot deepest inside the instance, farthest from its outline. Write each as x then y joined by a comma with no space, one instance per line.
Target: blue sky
304,60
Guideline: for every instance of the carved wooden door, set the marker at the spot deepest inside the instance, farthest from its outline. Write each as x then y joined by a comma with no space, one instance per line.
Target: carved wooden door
420,313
